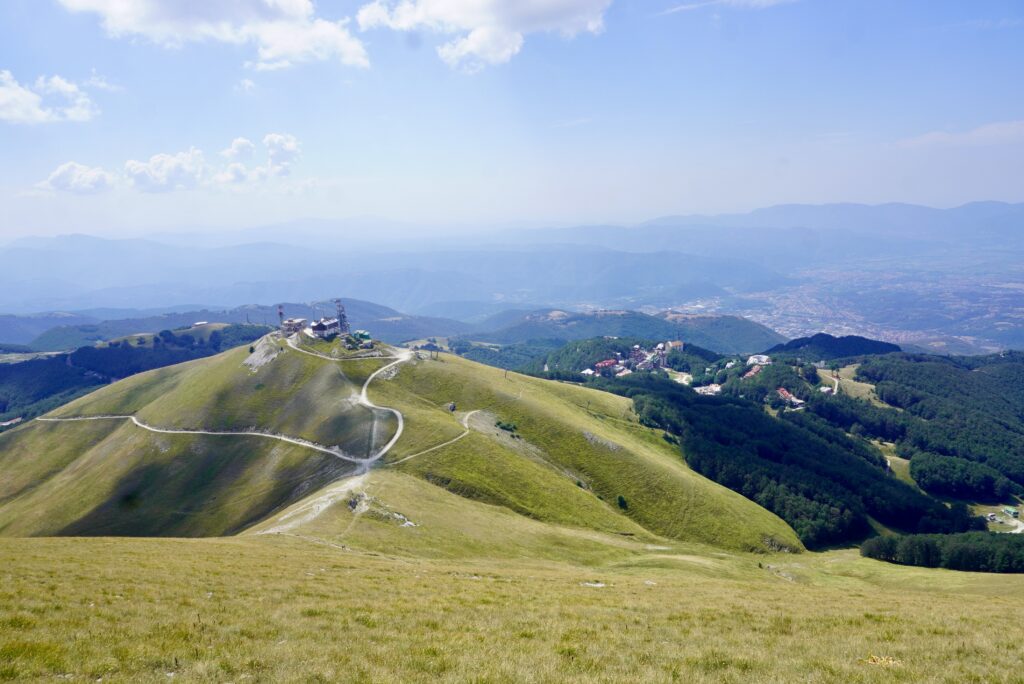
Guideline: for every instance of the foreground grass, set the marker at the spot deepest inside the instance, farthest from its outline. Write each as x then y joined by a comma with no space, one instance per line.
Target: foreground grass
280,609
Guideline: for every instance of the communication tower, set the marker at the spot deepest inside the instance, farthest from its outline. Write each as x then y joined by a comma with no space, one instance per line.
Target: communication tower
342,318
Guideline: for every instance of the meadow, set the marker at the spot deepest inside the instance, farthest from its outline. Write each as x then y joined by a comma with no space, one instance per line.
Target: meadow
287,609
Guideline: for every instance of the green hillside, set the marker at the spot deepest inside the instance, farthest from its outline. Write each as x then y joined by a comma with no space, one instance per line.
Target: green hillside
567,456
537,532
109,476
32,387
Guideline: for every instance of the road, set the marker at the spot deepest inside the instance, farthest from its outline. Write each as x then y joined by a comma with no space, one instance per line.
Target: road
234,433
401,357
465,424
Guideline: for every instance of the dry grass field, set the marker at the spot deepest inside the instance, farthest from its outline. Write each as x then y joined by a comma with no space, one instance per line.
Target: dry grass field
275,608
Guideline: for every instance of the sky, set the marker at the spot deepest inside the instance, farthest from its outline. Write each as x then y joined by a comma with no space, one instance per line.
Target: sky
129,118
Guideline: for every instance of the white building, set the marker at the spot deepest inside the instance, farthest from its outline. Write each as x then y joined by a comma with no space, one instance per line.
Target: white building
325,327
759,360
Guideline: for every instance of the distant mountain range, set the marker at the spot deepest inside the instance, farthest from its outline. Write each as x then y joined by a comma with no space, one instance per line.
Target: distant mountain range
78,272
873,270
385,323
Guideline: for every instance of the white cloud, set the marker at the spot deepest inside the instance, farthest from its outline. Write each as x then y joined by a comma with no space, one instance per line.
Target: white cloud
246,85
78,178
233,174
484,31
282,151
49,100
240,148
998,133
751,4
484,45
184,170
166,172
284,32
99,82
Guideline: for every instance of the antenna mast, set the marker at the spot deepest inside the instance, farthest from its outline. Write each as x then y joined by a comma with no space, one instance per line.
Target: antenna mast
342,318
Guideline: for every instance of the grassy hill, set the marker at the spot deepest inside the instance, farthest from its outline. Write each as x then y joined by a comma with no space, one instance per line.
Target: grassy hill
537,532
112,477
567,456
36,385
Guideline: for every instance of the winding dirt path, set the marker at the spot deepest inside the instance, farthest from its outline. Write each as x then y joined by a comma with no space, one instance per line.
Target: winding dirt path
364,400
232,433
465,424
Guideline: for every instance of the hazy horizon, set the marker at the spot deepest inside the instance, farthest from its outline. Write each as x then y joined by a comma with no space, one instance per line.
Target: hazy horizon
156,117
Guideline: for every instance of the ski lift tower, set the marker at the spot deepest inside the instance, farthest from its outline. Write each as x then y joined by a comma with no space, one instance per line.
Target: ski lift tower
342,318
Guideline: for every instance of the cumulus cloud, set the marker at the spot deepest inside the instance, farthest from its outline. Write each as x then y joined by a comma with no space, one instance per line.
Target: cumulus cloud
233,174
284,32
166,172
49,100
184,170
240,148
752,4
998,133
484,32
78,178
282,151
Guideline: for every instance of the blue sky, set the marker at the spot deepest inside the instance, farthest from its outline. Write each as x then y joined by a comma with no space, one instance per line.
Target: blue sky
479,112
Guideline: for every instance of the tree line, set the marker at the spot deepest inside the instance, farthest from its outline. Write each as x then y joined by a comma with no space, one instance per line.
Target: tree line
975,551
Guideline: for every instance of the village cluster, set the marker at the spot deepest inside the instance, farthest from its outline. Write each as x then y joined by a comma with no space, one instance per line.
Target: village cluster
638,359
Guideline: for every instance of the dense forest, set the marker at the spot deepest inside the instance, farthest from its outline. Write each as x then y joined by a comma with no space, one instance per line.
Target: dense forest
31,388
825,347
824,483
518,357
976,551
959,419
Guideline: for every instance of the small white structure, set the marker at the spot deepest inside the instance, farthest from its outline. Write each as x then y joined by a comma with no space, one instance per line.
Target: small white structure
588,371
759,360
709,390
325,327
290,326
